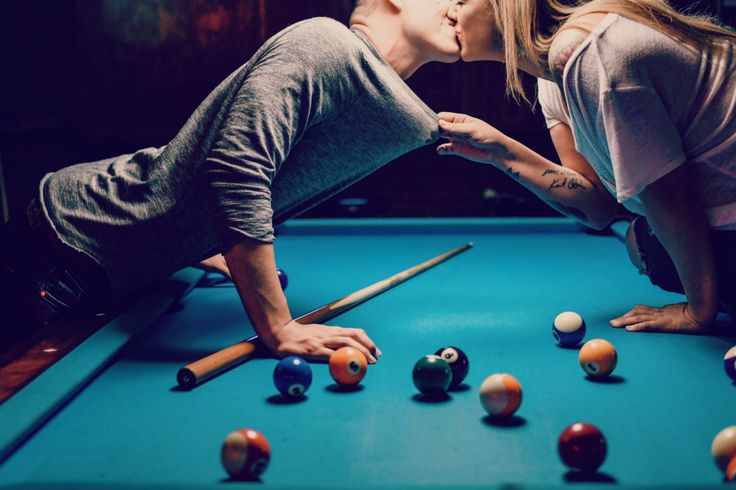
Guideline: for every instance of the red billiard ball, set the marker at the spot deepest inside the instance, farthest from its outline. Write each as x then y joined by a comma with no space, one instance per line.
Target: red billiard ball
348,366
245,454
582,447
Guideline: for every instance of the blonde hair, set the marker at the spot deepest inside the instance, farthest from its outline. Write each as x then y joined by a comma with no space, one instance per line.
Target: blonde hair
526,28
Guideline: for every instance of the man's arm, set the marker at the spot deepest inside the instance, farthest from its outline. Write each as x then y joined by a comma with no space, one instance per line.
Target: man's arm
252,266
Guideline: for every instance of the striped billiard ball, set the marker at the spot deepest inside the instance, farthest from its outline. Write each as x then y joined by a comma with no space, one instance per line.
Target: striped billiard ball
568,329
245,454
723,448
500,395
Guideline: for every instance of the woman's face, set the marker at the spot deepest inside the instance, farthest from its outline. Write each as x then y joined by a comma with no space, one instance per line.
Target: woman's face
473,25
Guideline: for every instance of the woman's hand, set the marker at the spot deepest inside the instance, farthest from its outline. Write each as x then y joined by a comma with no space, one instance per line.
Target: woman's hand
316,342
670,318
471,138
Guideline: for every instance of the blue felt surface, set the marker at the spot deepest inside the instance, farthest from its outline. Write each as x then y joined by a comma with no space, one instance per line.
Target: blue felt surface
669,399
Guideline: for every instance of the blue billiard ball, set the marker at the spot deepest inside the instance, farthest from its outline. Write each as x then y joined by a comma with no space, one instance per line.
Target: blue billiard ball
292,376
729,363
283,279
568,328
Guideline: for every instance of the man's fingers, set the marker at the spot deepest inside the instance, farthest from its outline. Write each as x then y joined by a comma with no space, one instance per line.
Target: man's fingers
339,341
362,337
645,326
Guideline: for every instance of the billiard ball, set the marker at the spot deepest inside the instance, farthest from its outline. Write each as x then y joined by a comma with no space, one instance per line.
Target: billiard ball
458,361
568,329
598,358
432,375
500,395
723,448
731,470
348,366
582,447
283,279
245,454
729,363
292,376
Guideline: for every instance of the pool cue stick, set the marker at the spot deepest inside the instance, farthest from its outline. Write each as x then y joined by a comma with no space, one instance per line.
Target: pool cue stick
192,374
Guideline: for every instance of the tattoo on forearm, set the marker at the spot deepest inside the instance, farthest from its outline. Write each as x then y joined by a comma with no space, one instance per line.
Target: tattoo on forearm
569,211
550,171
514,174
570,181
557,183
574,183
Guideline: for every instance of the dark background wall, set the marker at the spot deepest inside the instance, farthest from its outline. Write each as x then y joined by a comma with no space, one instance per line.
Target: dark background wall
82,80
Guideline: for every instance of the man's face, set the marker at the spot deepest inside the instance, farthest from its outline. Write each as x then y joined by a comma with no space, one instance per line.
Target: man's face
430,30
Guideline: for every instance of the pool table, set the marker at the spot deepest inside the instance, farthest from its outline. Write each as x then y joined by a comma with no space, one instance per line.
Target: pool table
110,415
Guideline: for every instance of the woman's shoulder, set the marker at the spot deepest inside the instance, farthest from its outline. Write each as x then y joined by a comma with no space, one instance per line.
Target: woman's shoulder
569,37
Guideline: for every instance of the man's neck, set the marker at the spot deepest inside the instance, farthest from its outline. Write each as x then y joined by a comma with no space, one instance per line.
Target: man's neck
392,46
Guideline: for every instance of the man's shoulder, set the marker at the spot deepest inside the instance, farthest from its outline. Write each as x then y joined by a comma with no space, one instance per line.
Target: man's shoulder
317,29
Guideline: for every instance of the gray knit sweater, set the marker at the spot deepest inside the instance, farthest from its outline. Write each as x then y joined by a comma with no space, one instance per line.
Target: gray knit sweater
314,110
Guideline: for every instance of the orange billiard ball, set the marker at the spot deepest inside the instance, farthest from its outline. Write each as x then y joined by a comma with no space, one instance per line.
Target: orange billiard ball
598,358
348,366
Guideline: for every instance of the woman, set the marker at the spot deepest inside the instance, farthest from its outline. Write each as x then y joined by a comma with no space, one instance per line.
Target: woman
641,105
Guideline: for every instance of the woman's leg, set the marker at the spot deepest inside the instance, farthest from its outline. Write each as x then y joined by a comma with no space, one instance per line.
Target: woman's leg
650,258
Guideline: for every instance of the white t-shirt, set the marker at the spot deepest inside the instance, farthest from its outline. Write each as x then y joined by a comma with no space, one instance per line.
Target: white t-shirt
640,104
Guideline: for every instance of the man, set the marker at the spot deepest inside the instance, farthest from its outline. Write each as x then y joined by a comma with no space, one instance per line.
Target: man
318,107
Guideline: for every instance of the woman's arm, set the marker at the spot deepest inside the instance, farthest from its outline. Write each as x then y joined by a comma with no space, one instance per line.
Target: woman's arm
678,221
572,189
252,266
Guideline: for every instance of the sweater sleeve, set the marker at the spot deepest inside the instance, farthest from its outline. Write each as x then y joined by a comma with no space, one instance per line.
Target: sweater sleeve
293,85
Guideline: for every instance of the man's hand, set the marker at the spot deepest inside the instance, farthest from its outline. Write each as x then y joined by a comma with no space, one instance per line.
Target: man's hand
316,342
669,318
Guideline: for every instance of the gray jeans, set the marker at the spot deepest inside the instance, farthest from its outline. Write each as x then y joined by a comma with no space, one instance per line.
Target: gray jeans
658,266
